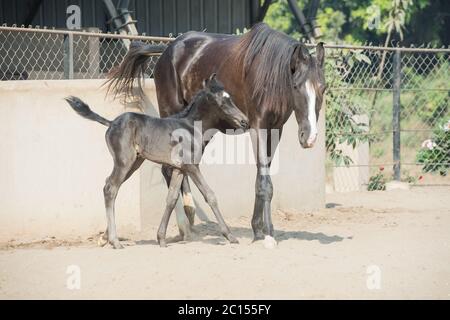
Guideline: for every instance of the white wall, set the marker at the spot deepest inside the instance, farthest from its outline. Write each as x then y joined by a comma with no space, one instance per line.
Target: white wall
53,165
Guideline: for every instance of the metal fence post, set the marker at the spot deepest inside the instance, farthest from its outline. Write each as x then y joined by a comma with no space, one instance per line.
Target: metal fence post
93,71
397,69
68,56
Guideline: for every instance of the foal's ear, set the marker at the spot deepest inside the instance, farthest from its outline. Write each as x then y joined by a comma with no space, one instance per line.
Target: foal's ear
213,76
206,82
300,55
320,54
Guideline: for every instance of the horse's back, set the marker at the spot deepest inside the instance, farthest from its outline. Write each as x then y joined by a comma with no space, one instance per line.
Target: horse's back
183,65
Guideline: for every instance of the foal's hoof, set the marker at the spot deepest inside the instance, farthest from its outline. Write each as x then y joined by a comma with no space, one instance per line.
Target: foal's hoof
269,242
162,243
232,239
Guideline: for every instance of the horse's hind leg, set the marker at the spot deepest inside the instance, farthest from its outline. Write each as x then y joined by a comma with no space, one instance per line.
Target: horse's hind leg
103,240
123,165
172,197
210,198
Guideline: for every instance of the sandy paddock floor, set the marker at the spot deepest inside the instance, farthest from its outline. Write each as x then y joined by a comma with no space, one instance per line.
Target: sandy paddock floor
367,245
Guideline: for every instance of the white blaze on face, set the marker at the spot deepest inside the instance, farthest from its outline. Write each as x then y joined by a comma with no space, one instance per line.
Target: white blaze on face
311,97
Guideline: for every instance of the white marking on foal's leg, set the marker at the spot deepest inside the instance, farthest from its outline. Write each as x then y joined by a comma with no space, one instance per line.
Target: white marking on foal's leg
269,242
312,119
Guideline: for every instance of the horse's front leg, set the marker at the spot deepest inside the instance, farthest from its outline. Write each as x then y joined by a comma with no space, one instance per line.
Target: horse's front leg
172,197
182,220
265,142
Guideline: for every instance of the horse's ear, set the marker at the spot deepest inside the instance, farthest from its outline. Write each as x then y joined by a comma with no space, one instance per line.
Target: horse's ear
300,54
320,54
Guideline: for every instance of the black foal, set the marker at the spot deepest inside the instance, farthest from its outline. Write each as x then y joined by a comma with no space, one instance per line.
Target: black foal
134,137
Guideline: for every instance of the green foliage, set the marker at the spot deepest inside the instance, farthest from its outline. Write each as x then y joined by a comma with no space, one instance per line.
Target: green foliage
353,21
377,182
397,16
279,17
435,153
330,22
342,108
437,101
410,178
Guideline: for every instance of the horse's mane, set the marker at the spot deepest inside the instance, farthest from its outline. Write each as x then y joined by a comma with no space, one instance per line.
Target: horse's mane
267,53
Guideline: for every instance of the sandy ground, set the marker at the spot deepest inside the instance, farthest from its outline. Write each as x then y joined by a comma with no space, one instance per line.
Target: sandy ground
364,245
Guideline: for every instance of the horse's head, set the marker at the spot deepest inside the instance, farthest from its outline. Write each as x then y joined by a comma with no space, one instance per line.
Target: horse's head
308,90
223,106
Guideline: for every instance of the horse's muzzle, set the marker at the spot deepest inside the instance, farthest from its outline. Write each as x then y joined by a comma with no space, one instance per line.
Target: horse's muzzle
306,143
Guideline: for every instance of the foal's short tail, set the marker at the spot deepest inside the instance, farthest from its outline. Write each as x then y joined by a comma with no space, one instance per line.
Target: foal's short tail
83,110
131,71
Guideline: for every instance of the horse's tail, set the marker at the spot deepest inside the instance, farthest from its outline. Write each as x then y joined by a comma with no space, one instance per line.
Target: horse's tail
122,79
83,110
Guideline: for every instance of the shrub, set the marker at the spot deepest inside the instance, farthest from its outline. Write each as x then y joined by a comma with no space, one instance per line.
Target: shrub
377,182
435,152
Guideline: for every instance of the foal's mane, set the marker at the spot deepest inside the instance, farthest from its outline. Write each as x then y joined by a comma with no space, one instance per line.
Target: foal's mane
194,101
267,53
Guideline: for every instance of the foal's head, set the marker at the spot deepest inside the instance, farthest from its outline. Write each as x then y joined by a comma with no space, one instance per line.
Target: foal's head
308,90
220,104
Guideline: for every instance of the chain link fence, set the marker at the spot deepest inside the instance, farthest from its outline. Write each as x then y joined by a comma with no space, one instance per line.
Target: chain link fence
387,116
387,108
38,54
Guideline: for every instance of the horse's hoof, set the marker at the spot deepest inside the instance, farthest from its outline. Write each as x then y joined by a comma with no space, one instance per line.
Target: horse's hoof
269,242
257,238
186,232
117,245
190,213
177,238
188,237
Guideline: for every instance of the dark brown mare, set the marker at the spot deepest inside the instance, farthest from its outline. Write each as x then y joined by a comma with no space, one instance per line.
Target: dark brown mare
268,75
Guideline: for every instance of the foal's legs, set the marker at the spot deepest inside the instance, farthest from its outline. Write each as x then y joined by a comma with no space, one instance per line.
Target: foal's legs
210,198
122,167
137,163
172,197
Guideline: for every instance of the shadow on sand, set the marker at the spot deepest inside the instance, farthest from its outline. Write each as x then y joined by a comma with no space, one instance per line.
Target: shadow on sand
208,232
